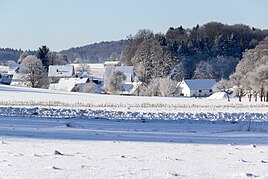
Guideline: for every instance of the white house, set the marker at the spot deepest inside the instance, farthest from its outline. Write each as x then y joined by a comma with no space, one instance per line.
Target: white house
196,87
60,71
5,78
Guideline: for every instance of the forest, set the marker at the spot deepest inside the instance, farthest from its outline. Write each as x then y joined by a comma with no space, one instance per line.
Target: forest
210,51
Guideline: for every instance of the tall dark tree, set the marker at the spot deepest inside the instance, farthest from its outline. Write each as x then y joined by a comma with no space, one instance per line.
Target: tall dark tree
43,55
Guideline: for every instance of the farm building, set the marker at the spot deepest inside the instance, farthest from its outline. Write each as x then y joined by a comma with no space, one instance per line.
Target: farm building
196,87
60,71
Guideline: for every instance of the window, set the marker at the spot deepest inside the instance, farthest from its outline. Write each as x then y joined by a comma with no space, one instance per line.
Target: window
200,91
210,90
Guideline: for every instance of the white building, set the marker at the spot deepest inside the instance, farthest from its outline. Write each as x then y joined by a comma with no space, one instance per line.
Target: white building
60,71
196,88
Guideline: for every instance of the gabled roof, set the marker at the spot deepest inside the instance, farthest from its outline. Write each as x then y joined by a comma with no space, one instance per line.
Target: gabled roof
67,84
60,71
200,84
13,67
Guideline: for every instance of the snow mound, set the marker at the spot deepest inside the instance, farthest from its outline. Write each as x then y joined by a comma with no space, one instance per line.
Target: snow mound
218,95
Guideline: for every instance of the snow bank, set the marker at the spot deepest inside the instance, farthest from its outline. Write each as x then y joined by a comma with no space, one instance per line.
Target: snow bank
218,95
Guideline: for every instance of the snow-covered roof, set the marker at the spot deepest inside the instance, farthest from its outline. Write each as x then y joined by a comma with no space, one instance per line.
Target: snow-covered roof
13,67
67,84
84,75
200,83
60,71
112,63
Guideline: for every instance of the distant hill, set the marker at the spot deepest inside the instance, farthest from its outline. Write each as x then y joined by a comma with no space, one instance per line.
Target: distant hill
94,53
9,54
97,52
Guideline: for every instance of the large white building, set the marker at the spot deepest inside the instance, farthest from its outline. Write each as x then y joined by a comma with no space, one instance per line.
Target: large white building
60,71
196,87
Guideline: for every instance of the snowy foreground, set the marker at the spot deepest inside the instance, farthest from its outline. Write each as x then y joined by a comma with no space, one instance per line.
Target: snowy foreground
71,135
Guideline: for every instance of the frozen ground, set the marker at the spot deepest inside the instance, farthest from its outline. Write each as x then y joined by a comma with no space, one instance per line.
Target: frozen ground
71,135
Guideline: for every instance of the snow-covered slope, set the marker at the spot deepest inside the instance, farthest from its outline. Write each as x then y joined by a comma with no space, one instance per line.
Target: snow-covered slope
79,148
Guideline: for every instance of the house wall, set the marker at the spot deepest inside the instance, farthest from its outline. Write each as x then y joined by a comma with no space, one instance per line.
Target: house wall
200,93
185,90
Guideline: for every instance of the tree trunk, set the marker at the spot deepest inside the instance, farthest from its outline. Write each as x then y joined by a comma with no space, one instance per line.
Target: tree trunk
250,95
267,96
262,94
240,95
255,96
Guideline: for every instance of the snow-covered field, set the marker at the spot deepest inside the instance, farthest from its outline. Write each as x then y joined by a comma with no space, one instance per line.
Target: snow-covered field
54,134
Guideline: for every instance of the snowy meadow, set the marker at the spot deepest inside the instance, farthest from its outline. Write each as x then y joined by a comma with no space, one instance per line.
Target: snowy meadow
54,134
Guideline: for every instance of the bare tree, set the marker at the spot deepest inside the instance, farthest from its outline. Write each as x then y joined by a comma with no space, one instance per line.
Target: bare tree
240,84
33,72
161,87
83,68
153,88
167,87
114,83
224,86
90,88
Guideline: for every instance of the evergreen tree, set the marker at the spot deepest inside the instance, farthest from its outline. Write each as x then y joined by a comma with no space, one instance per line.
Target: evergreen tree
43,55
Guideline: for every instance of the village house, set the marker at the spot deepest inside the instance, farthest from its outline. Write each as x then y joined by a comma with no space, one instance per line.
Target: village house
60,71
5,78
196,87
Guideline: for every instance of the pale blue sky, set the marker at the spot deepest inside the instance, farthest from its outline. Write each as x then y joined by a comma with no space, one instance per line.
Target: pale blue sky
61,24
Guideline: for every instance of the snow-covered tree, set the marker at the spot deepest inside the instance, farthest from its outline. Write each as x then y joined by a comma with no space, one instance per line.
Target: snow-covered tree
240,84
224,86
177,73
161,87
251,72
204,70
83,68
167,87
90,88
114,82
32,72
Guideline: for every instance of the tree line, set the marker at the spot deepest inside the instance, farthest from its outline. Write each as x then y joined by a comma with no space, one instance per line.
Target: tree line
251,75
210,51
